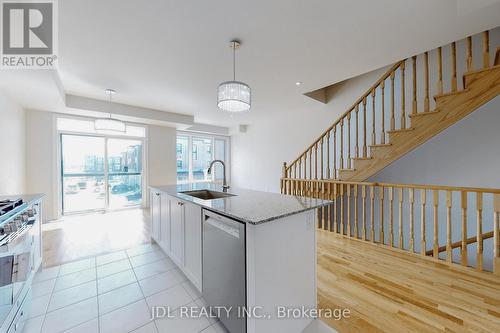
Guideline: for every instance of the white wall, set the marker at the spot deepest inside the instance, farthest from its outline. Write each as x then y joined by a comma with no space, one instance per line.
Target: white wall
162,155
41,155
12,147
465,154
258,155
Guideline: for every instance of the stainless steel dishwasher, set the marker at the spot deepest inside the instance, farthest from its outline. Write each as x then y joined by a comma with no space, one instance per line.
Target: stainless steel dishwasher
224,268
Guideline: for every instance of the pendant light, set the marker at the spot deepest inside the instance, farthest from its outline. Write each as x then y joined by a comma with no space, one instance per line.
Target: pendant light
234,96
110,124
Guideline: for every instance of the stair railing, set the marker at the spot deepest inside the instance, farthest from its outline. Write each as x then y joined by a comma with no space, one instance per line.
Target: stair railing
383,109
428,220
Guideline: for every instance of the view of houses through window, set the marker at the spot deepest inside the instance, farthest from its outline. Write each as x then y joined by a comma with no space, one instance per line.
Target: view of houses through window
194,154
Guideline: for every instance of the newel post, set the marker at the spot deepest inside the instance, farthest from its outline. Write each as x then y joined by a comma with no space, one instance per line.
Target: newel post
283,181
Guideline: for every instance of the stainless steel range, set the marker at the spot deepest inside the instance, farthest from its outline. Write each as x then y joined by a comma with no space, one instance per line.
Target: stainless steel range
20,258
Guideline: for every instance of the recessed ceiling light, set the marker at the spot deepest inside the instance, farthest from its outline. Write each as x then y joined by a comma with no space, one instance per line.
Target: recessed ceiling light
298,83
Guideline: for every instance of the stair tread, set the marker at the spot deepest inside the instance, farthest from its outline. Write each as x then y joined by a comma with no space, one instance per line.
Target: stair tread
420,114
362,158
402,130
381,145
347,170
450,93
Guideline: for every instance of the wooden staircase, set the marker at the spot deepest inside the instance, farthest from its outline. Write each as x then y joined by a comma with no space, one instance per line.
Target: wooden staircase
480,87
380,127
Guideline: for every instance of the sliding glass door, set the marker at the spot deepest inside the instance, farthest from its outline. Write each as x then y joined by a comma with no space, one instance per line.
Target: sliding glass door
98,173
124,172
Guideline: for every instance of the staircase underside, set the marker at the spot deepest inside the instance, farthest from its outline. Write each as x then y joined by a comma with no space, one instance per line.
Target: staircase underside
390,291
480,87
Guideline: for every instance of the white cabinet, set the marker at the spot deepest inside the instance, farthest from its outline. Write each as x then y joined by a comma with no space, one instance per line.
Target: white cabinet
177,231
176,226
155,211
165,223
192,243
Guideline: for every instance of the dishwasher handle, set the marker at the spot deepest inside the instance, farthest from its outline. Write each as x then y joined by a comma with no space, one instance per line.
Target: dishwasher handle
224,224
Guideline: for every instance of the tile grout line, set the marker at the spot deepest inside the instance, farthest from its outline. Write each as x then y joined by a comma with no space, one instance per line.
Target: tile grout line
50,299
142,292
97,298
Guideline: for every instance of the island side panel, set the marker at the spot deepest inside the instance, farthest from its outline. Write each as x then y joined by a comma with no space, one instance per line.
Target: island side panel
281,271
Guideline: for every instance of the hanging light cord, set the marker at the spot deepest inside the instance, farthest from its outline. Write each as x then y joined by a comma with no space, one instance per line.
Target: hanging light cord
234,61
110,97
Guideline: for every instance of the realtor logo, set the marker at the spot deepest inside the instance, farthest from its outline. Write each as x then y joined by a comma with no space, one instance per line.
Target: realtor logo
28,34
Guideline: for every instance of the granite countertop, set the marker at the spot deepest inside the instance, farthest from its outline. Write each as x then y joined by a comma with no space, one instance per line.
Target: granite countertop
247,206
28,199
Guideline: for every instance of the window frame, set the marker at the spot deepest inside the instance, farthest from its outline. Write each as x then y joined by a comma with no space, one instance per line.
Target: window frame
227,156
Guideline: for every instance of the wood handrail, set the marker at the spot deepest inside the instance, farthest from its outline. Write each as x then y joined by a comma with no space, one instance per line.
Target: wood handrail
395,185
458,244
349,110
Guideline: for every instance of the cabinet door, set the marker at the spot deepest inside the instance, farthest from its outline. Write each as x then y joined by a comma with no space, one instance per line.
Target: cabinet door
177,231
192,246
165,223
155,216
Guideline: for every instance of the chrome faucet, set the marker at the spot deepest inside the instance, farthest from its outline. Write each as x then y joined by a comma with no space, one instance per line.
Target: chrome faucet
224,182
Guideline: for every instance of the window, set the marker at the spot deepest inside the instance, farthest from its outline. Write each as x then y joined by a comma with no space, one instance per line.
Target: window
195,152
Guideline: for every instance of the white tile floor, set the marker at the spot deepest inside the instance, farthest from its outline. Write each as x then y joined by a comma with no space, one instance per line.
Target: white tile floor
113,293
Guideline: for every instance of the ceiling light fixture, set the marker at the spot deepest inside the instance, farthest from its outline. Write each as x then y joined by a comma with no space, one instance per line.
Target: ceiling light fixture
110,124
234,96
298,83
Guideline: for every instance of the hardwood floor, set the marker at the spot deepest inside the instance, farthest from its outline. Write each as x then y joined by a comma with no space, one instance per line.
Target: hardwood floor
80,236
390,291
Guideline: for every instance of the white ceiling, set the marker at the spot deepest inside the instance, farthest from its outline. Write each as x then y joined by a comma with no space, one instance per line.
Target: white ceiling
171,54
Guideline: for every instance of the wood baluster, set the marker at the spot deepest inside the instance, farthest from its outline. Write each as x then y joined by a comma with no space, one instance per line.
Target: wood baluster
393,119
336,203
403,97
372,214
479,247
449,250
463,248
400,219
374,138
486,49
310,185
335,152
435,252
316,161
321,159
356,233
328,155
349,140
364,128
363,212
411,199
469,54
453,67
329,207
341,161
382,135
348,210
381,199
356,147
342,209
414,79
423,245
390,191
496,234
426,82
440,71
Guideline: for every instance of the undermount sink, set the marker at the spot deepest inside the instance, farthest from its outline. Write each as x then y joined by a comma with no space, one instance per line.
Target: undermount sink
207,194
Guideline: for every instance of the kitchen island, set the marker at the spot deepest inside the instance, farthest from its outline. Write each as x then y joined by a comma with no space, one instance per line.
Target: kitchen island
249,251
